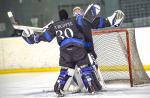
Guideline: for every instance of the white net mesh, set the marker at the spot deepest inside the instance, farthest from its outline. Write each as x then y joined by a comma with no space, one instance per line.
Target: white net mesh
116,50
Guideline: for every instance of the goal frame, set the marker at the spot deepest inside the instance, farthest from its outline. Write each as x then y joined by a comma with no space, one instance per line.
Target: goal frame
104,31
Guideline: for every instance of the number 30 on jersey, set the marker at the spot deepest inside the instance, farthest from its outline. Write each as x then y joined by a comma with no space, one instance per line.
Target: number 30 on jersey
67,33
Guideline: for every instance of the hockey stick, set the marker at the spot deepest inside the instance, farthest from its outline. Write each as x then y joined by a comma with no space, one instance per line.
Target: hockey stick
91,12
25,28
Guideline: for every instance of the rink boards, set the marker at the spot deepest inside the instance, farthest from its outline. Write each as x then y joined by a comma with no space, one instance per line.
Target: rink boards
18,56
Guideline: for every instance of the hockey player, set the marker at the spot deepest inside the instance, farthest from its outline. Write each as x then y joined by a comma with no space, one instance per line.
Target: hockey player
86,29
95,23
71,40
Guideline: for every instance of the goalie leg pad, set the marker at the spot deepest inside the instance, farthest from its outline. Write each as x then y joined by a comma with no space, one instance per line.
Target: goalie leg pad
98,79
89,79
97,84
63,81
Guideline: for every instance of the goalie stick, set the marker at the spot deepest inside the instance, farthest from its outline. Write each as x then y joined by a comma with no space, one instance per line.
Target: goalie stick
91,12
26,28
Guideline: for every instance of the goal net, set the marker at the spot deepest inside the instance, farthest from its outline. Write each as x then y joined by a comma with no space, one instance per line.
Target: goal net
118,56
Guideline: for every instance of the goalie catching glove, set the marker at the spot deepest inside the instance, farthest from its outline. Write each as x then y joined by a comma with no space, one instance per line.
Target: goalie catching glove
30,37
117,18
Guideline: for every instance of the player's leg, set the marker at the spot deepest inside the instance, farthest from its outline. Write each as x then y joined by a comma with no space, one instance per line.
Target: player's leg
97,72
86,71
86,75
66,73
63,81
77,84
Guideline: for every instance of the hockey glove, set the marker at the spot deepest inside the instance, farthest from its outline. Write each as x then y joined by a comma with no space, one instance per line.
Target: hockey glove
30,37
117,18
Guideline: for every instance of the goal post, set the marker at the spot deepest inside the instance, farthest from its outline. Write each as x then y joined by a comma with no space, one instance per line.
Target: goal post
118,56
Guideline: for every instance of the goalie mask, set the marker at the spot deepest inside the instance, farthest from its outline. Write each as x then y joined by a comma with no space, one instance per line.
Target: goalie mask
91,12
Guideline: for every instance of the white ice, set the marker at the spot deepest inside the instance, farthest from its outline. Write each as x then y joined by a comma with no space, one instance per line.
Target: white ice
40,85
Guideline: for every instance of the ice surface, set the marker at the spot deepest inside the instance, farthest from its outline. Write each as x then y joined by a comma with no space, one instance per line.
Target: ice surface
40,85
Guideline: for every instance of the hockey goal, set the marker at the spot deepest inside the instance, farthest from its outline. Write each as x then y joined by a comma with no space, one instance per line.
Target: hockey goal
118,56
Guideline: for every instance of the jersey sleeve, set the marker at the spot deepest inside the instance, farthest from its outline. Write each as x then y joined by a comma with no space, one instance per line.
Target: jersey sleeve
48,35
100,22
